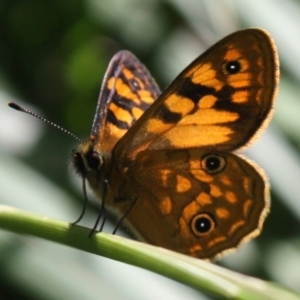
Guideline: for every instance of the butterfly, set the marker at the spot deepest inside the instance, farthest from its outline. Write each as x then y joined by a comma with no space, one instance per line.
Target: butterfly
169,159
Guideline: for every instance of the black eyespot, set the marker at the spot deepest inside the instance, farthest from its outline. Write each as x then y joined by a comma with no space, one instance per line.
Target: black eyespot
213,163
231,67
202,224
93,160
134,84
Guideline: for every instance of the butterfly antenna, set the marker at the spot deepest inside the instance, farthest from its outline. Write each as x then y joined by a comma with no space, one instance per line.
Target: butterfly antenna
22,109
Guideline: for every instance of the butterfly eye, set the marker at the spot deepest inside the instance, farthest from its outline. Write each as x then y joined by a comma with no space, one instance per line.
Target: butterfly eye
231,67
212,163
94,160
202,224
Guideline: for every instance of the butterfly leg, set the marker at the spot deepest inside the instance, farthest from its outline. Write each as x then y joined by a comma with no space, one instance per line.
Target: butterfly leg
126,213
102,210
85,202
103,221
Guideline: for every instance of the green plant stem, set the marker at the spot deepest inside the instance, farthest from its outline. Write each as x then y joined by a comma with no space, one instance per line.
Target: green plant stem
196,273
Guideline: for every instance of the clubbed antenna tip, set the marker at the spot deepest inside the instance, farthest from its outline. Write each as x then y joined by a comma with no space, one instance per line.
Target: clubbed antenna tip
22,109
15,106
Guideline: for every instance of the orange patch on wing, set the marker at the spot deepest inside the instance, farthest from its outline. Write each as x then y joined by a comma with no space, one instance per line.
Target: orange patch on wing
128,73
240,80
245,64
230,197
202,175
178,104
216,241
193,250
111,83
193,71
259,99
137,112
240,97
156,126
207,101
118,132
184,227
122,89
123,115
190,137
205,74
246,184
166,205
189,211
209,117
182,184
226,180
247,207
236,226
204,199
215,190
232,54
164,176
146,96
222,213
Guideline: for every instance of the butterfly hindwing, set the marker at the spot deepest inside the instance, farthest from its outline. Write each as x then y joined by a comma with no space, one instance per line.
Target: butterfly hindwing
184,191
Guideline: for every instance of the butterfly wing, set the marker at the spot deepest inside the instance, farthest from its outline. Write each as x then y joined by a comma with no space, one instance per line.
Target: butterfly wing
127,91
189,200
218,102
193,195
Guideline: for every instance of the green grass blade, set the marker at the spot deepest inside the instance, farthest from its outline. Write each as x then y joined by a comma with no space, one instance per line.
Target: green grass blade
196,273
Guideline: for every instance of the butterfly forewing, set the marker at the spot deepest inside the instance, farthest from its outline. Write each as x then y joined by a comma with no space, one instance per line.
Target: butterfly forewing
217,102
127,91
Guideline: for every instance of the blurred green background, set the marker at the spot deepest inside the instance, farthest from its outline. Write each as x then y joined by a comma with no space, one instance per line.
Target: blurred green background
53,55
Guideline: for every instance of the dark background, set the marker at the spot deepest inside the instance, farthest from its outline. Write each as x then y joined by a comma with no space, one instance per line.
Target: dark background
53,55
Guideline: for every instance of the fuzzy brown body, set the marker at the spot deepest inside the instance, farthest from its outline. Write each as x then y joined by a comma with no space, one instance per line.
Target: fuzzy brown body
174,153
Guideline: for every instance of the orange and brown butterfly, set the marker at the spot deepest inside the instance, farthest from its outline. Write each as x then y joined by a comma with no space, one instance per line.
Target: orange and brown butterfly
173,153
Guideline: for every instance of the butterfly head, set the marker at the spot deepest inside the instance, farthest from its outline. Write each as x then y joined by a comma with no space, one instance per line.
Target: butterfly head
87,161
